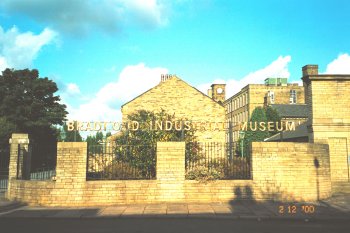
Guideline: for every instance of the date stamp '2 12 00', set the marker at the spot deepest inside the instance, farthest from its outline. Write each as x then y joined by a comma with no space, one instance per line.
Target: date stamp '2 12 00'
294,209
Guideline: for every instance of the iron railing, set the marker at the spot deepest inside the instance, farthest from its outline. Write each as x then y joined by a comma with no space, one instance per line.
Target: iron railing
36,162
217,161
4,168
43,174
121,162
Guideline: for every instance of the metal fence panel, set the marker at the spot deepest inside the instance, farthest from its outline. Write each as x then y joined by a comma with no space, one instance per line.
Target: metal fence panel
40,166
218,160
4,168
121,162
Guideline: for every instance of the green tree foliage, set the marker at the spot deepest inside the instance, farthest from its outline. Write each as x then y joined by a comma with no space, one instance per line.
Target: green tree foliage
6,128
258,115
69,136
272,116
97,139
28,104
147,136
140,144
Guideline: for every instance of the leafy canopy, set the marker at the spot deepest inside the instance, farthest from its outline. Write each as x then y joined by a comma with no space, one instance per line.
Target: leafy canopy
28,104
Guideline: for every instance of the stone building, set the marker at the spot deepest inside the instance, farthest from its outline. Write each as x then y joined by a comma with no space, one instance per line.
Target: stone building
296,113
328,100
177,97
328,104
240,106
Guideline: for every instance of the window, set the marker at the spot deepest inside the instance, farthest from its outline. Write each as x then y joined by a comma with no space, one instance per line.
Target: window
293,97
271,95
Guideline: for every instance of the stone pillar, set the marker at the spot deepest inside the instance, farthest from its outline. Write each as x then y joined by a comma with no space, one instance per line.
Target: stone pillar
70,173
171,170
18,162
338,152
19,166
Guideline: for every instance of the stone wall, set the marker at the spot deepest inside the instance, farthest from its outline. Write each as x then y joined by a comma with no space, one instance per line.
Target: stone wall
280,171
291,171
240,106
338,149
177,97
329,105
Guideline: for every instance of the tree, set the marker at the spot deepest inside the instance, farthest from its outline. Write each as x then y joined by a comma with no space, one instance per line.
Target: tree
28,104
272,116
69,136
258,115
6,128
97,139
137,148
147,136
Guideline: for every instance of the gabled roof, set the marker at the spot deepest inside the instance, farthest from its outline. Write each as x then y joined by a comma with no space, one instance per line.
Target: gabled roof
163,83
291,110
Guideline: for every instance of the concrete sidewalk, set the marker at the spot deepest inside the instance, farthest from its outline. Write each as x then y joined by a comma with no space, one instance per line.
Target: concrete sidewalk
234,210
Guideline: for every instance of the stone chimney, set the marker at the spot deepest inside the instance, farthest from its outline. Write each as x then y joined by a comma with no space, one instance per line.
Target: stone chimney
218,92
165,77
310,70
210,93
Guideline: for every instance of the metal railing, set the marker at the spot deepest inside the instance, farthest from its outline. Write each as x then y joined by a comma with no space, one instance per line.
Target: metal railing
3,181
121,162
4,168
216,160
43,174
36,162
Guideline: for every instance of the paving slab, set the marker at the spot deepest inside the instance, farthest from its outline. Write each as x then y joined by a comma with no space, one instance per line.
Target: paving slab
336,208
177,209
240,209
155,210
134,210
112,211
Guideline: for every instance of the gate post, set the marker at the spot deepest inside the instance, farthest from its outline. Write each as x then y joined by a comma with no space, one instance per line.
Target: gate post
19,165
171,170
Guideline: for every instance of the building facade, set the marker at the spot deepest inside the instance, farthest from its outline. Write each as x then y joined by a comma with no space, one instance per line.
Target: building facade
240,106
328,101
178,98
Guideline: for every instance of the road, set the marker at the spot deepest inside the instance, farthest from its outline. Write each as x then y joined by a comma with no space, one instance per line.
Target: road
170,225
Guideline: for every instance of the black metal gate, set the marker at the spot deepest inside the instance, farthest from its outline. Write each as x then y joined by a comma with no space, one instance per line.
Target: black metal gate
4,168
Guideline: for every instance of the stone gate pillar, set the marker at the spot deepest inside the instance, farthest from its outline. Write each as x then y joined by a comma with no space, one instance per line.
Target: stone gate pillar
171,170
20,157
19,165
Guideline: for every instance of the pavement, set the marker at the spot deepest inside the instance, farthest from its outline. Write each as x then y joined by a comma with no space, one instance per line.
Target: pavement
337,207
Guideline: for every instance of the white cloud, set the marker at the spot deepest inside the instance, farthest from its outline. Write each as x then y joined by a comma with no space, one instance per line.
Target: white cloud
133,80
18,50
82,16
72,89
340,65
278,68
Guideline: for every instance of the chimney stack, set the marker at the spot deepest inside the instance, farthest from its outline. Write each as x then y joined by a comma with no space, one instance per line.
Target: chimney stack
210,93
310,70
164,77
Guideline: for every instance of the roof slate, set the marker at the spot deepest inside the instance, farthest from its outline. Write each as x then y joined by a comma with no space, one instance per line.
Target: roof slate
291,110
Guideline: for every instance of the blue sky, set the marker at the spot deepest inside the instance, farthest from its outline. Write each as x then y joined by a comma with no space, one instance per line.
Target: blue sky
103,53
